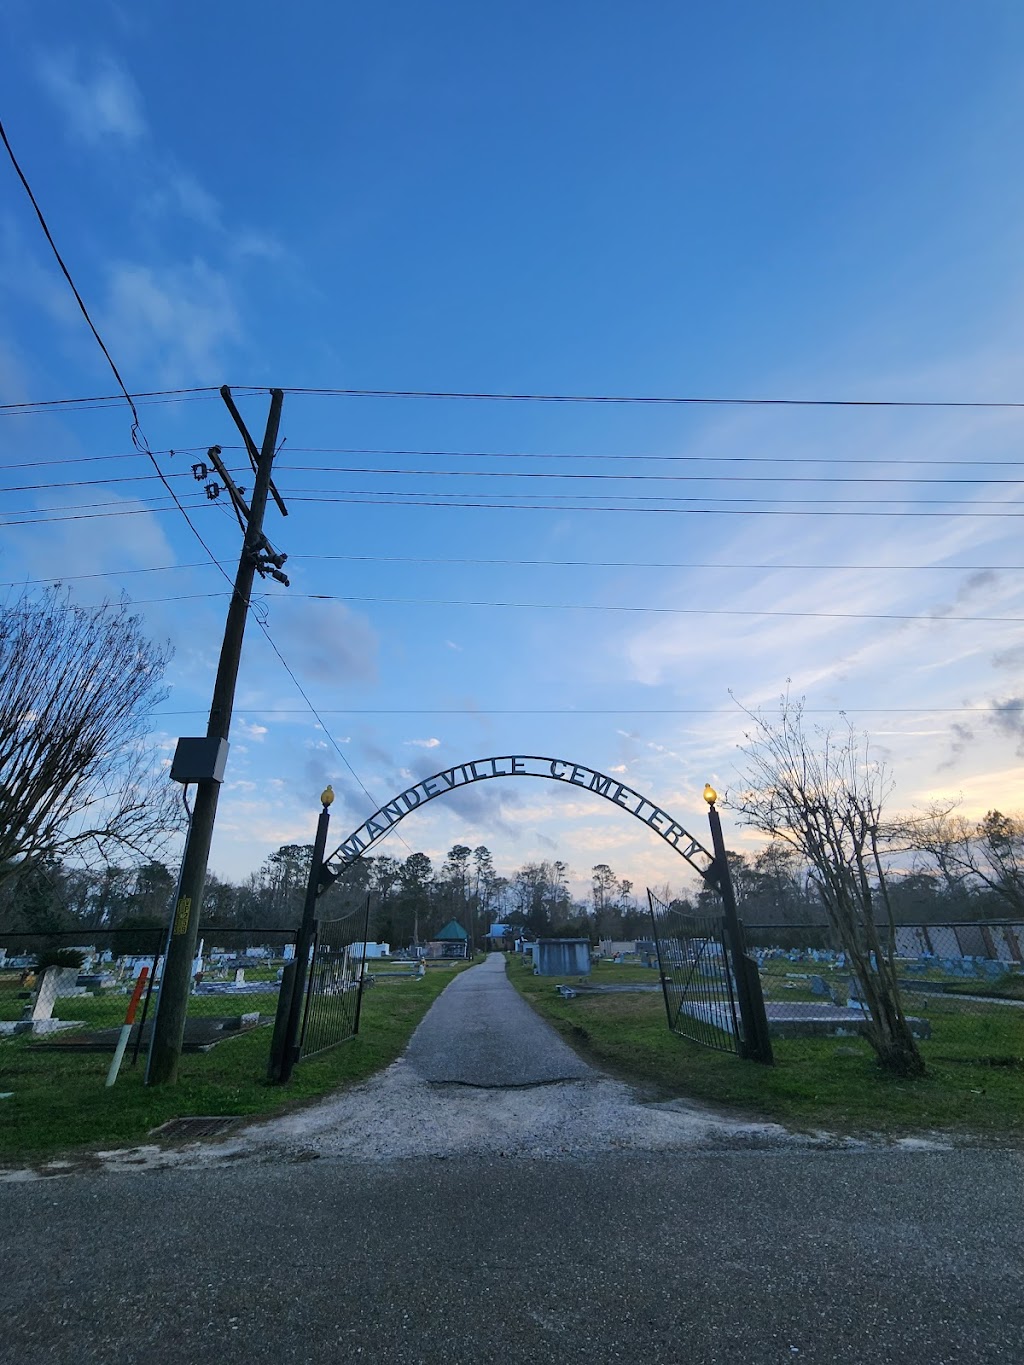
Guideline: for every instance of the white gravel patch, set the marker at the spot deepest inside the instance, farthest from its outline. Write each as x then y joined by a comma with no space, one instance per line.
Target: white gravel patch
398,1115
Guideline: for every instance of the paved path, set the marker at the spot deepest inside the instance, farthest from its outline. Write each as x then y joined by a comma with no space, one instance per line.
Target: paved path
482,1032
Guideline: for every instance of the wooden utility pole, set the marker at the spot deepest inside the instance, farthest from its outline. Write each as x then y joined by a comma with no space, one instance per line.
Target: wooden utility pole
169,1029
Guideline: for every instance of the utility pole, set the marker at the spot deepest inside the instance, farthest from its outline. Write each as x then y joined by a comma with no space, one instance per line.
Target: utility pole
203,763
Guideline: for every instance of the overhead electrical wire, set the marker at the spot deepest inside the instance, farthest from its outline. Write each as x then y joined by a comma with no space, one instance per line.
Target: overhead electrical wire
587,711
780,504
209,391
566,507
970,461
923,618
543,563
666,611
377,498
547,475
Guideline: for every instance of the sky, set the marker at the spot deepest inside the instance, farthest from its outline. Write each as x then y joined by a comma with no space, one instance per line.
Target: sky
704,201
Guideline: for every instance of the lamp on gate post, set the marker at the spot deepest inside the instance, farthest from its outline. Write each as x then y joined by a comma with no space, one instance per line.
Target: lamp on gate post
756,1043
304,942
732,923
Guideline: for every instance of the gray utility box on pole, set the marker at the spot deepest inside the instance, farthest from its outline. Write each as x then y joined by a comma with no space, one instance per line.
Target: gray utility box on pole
200,759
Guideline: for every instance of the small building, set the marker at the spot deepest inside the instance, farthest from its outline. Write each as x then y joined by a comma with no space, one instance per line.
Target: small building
612,947
562,957
501,938
451,942
361,952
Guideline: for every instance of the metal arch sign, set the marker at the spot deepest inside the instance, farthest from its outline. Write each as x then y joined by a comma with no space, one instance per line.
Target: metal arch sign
519,765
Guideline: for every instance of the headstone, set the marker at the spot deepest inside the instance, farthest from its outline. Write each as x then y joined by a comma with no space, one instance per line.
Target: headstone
239,976
67,982
855,997
42,1006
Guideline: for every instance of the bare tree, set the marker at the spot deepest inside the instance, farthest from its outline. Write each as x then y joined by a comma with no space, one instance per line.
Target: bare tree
987,856
76,775
823,795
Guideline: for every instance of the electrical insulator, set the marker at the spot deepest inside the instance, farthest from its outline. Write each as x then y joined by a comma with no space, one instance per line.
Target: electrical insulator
200,472
213,491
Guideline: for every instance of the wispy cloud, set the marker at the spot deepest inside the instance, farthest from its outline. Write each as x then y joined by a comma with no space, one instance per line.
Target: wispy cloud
175,323
97,95
182,194
425,743
325,641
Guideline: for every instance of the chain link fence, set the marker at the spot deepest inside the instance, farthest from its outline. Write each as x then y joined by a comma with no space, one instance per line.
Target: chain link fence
962,984
70,991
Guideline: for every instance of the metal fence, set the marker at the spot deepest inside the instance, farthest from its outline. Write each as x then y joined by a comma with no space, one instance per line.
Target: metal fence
235,984
334,991
962,984
696,976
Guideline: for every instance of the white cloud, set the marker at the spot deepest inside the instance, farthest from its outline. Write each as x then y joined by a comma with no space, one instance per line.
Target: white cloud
425,743
99,98
182,194
174,323
259,246
452,645
251,730
325,641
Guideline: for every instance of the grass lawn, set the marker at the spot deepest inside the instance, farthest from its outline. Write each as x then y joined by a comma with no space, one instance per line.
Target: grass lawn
828,1084
59,1103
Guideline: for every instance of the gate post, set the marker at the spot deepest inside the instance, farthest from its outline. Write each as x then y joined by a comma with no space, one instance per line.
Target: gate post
304,942
756,1044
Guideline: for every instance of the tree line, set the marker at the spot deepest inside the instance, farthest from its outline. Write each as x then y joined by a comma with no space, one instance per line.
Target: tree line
961,871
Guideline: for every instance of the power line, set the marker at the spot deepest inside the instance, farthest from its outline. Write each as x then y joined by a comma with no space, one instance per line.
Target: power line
648,399
661,611
148,504
398,500
328,494
587,711
547,475
373,498
92,459
672,400
580,606
544,563
203,393
972,461
49,516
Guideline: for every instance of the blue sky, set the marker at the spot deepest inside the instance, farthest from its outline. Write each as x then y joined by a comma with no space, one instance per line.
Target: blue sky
732,200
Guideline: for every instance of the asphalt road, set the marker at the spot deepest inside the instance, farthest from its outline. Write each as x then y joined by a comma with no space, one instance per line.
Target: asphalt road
739,1246
848,1258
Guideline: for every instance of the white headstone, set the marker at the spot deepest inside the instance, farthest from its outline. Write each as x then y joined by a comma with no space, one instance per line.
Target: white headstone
46,994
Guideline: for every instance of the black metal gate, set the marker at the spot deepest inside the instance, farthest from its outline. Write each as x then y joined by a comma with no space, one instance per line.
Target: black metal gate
696,976
334,988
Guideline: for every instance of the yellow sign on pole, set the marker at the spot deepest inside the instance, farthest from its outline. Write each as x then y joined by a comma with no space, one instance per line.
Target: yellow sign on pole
181,915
